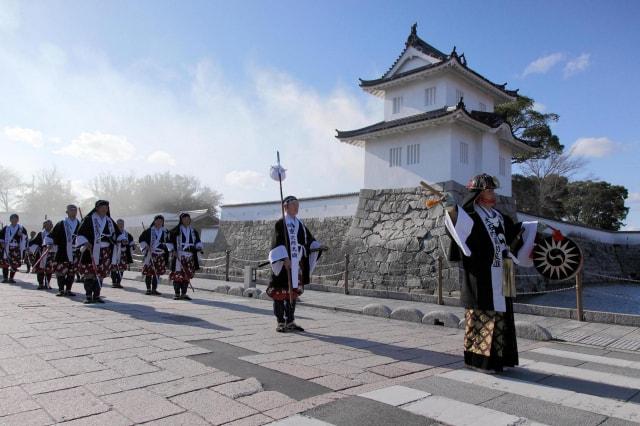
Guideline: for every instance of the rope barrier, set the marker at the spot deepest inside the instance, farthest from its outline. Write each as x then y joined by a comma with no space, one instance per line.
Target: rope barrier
329,275
557,290
249,260
213,259
324,265
612,278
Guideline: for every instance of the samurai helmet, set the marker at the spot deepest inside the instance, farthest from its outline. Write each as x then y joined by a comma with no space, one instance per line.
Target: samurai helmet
482,182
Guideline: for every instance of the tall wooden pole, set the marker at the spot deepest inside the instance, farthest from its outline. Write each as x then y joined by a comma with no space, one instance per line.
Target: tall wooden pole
286,231
579,307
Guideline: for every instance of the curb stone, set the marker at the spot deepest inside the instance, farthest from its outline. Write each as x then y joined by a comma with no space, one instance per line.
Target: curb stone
407,314
377,310
447,319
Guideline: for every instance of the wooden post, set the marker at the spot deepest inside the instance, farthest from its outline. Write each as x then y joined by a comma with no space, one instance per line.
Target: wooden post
227,265
346,274
440,300
579,296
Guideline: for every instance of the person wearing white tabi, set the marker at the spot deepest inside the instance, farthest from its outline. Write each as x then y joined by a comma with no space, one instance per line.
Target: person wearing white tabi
44,251
13,243
293,256
63,236
155,245
97,236
184,265
489,243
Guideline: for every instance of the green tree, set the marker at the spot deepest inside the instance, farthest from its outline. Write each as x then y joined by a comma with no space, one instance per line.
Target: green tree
527,192
596,204
531,126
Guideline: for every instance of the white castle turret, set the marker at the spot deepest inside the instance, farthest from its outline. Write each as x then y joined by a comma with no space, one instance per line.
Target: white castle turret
439,122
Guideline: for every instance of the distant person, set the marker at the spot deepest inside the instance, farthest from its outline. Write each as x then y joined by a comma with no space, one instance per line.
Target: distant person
187,244
44,252
155,245
293,256
122,257
97,236
13,243
486,240
28,257
64,235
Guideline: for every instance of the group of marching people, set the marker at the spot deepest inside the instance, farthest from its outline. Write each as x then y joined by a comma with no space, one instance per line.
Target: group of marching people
95,247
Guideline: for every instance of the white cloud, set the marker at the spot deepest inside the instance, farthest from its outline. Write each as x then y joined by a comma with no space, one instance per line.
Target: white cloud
9,16
162,158
543,64
20,134
212,126
634,197
593,147
540,107
577,65
100,147
245,179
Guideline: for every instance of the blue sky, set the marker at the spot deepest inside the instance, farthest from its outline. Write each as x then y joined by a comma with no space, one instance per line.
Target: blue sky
212,88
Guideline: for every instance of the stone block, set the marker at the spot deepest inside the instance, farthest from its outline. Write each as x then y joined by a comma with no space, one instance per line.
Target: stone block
527,330
406,314
222,289
239,389
252,292
377,310
264,296
235,291
447,319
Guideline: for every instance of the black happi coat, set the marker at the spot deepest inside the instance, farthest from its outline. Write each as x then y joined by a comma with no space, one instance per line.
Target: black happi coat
128,248
305,238
36,241
477,290
145,237
59,237
177,238
86,230
22,233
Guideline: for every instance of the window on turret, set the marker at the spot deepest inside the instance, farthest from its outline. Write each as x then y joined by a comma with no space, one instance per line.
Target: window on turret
464,153
430,96
395,157
413,154
503,166
397,104
483,107
459,95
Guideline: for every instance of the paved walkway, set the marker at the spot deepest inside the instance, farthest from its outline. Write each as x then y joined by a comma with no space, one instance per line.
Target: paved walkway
218,360
598,334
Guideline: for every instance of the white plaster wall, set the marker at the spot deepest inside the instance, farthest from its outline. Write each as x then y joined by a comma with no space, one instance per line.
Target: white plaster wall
472,95
413,98
337,206
461,172
505,180
434,164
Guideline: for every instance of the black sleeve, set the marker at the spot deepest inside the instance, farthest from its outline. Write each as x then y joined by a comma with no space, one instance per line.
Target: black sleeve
86,229
278,238
145,237
512,233
37,240
58,234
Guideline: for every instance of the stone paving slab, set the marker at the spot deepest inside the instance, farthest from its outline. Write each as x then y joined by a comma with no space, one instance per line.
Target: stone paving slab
140,359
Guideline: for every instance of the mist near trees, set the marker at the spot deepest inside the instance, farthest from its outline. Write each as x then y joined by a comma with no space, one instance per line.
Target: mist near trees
48,193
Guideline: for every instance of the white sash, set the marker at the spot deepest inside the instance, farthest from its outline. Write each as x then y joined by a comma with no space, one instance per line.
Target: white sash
294,249
69,230
492,223
97,235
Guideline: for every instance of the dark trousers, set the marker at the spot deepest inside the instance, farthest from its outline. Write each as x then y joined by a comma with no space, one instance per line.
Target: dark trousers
116,277
65,282
151,281
41,279
180,288
6,274
92,288
283,309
